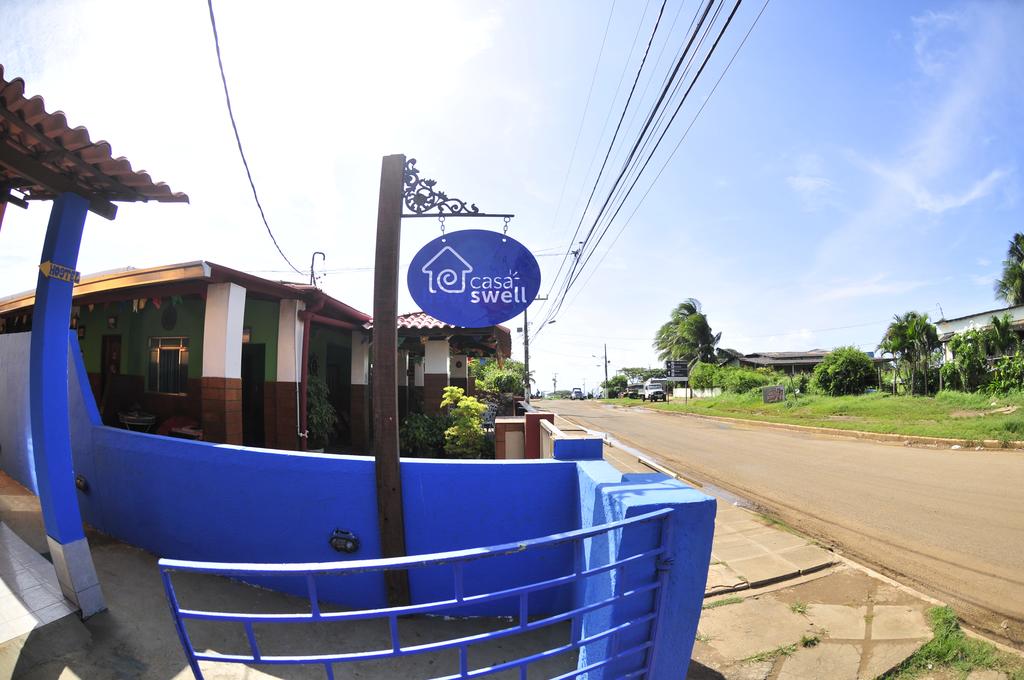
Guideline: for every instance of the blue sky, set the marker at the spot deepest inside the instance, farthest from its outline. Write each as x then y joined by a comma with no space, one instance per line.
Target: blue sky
858,159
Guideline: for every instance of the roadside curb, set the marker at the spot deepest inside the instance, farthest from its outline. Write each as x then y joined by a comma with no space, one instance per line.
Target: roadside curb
906,440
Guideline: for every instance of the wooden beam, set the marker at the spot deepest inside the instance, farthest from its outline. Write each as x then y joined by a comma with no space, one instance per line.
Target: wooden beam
385,374
30,169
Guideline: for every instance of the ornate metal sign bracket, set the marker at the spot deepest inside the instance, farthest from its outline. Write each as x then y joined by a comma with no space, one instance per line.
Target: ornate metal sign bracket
421,198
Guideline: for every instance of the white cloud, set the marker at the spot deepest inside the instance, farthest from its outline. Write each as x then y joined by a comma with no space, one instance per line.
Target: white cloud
984,279
805,184
876,285
912,185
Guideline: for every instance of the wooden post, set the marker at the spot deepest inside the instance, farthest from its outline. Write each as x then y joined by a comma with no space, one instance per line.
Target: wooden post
385,378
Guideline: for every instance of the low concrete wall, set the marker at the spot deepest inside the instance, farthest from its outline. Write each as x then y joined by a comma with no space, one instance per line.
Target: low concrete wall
606,496
569,443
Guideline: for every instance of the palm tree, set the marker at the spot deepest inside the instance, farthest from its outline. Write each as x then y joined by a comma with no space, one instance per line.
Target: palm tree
687,335
896,342
911,338
1001,336
1010,286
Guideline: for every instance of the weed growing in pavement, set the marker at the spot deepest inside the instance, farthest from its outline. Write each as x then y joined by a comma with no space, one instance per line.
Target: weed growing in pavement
722,602
809,641
769,655
952,649
798,607
703,637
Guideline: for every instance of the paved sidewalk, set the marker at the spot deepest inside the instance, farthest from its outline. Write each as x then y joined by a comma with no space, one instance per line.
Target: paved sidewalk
845,625
779,607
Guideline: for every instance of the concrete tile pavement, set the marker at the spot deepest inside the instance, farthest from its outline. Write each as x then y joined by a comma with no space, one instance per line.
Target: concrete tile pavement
823,628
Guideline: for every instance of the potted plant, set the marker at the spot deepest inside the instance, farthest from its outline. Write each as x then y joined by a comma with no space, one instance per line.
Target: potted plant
320,414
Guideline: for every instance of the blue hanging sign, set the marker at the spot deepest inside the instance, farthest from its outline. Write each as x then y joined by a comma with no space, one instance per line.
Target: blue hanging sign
474,278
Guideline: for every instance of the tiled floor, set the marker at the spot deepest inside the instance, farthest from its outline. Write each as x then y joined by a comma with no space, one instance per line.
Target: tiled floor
29,593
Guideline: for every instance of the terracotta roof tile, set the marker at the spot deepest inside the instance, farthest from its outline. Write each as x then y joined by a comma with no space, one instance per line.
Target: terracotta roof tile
46,140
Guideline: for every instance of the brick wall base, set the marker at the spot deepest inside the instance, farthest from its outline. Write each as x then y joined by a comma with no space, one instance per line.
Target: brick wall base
433,388
222,410
280,416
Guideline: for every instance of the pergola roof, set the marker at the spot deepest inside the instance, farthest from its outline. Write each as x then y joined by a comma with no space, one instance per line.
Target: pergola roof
41,156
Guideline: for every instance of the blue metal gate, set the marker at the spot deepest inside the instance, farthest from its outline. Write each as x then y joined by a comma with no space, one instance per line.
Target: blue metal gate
643,618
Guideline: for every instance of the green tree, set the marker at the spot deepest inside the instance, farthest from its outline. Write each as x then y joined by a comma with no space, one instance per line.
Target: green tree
1010,286
507,377
911,339
845,370
638,374
1001,338
968,368
615,385
686,335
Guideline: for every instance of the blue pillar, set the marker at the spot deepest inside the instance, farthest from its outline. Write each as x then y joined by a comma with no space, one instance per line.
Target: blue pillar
48,401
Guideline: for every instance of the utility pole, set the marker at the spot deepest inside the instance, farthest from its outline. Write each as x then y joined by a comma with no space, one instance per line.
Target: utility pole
385,375
526,348
554,383
606,362
312,276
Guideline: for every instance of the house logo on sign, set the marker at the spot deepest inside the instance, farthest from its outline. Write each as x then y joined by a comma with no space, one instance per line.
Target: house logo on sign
447,271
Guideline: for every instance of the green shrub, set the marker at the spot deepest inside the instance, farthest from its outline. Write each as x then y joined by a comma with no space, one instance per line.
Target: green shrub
743,380
1007,374
320,414
465,437
967,370
704,376
846,370
423,436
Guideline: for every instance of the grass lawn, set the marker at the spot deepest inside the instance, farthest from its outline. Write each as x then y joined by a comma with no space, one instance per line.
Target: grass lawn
956,415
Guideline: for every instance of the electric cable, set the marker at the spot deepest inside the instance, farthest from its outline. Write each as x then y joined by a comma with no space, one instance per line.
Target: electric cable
238,139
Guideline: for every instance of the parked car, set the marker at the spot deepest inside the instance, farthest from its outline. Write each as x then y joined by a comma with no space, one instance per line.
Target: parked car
654,390
633,391
577,393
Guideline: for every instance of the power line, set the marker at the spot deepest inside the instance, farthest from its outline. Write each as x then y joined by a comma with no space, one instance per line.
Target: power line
615,134
678,144
586,109
576,271
238,139
667,92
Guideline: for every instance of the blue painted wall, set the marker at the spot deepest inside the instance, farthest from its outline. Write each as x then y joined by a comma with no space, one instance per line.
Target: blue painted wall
194,500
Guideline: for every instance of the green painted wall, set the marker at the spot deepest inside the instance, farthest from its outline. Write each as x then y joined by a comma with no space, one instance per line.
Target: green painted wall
136,328
320,337
262,317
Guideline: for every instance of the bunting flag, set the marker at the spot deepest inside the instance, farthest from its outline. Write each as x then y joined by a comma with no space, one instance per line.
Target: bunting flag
91,307
135,305
176,300
142,303
156,302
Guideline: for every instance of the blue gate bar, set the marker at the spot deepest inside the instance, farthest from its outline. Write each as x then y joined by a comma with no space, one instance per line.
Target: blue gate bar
645,622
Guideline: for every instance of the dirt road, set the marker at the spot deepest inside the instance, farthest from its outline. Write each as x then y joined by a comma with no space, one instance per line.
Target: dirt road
950,523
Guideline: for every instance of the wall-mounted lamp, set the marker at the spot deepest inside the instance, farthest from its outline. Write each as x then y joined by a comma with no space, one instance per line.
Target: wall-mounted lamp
344,541
81,332
246,335
111,322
